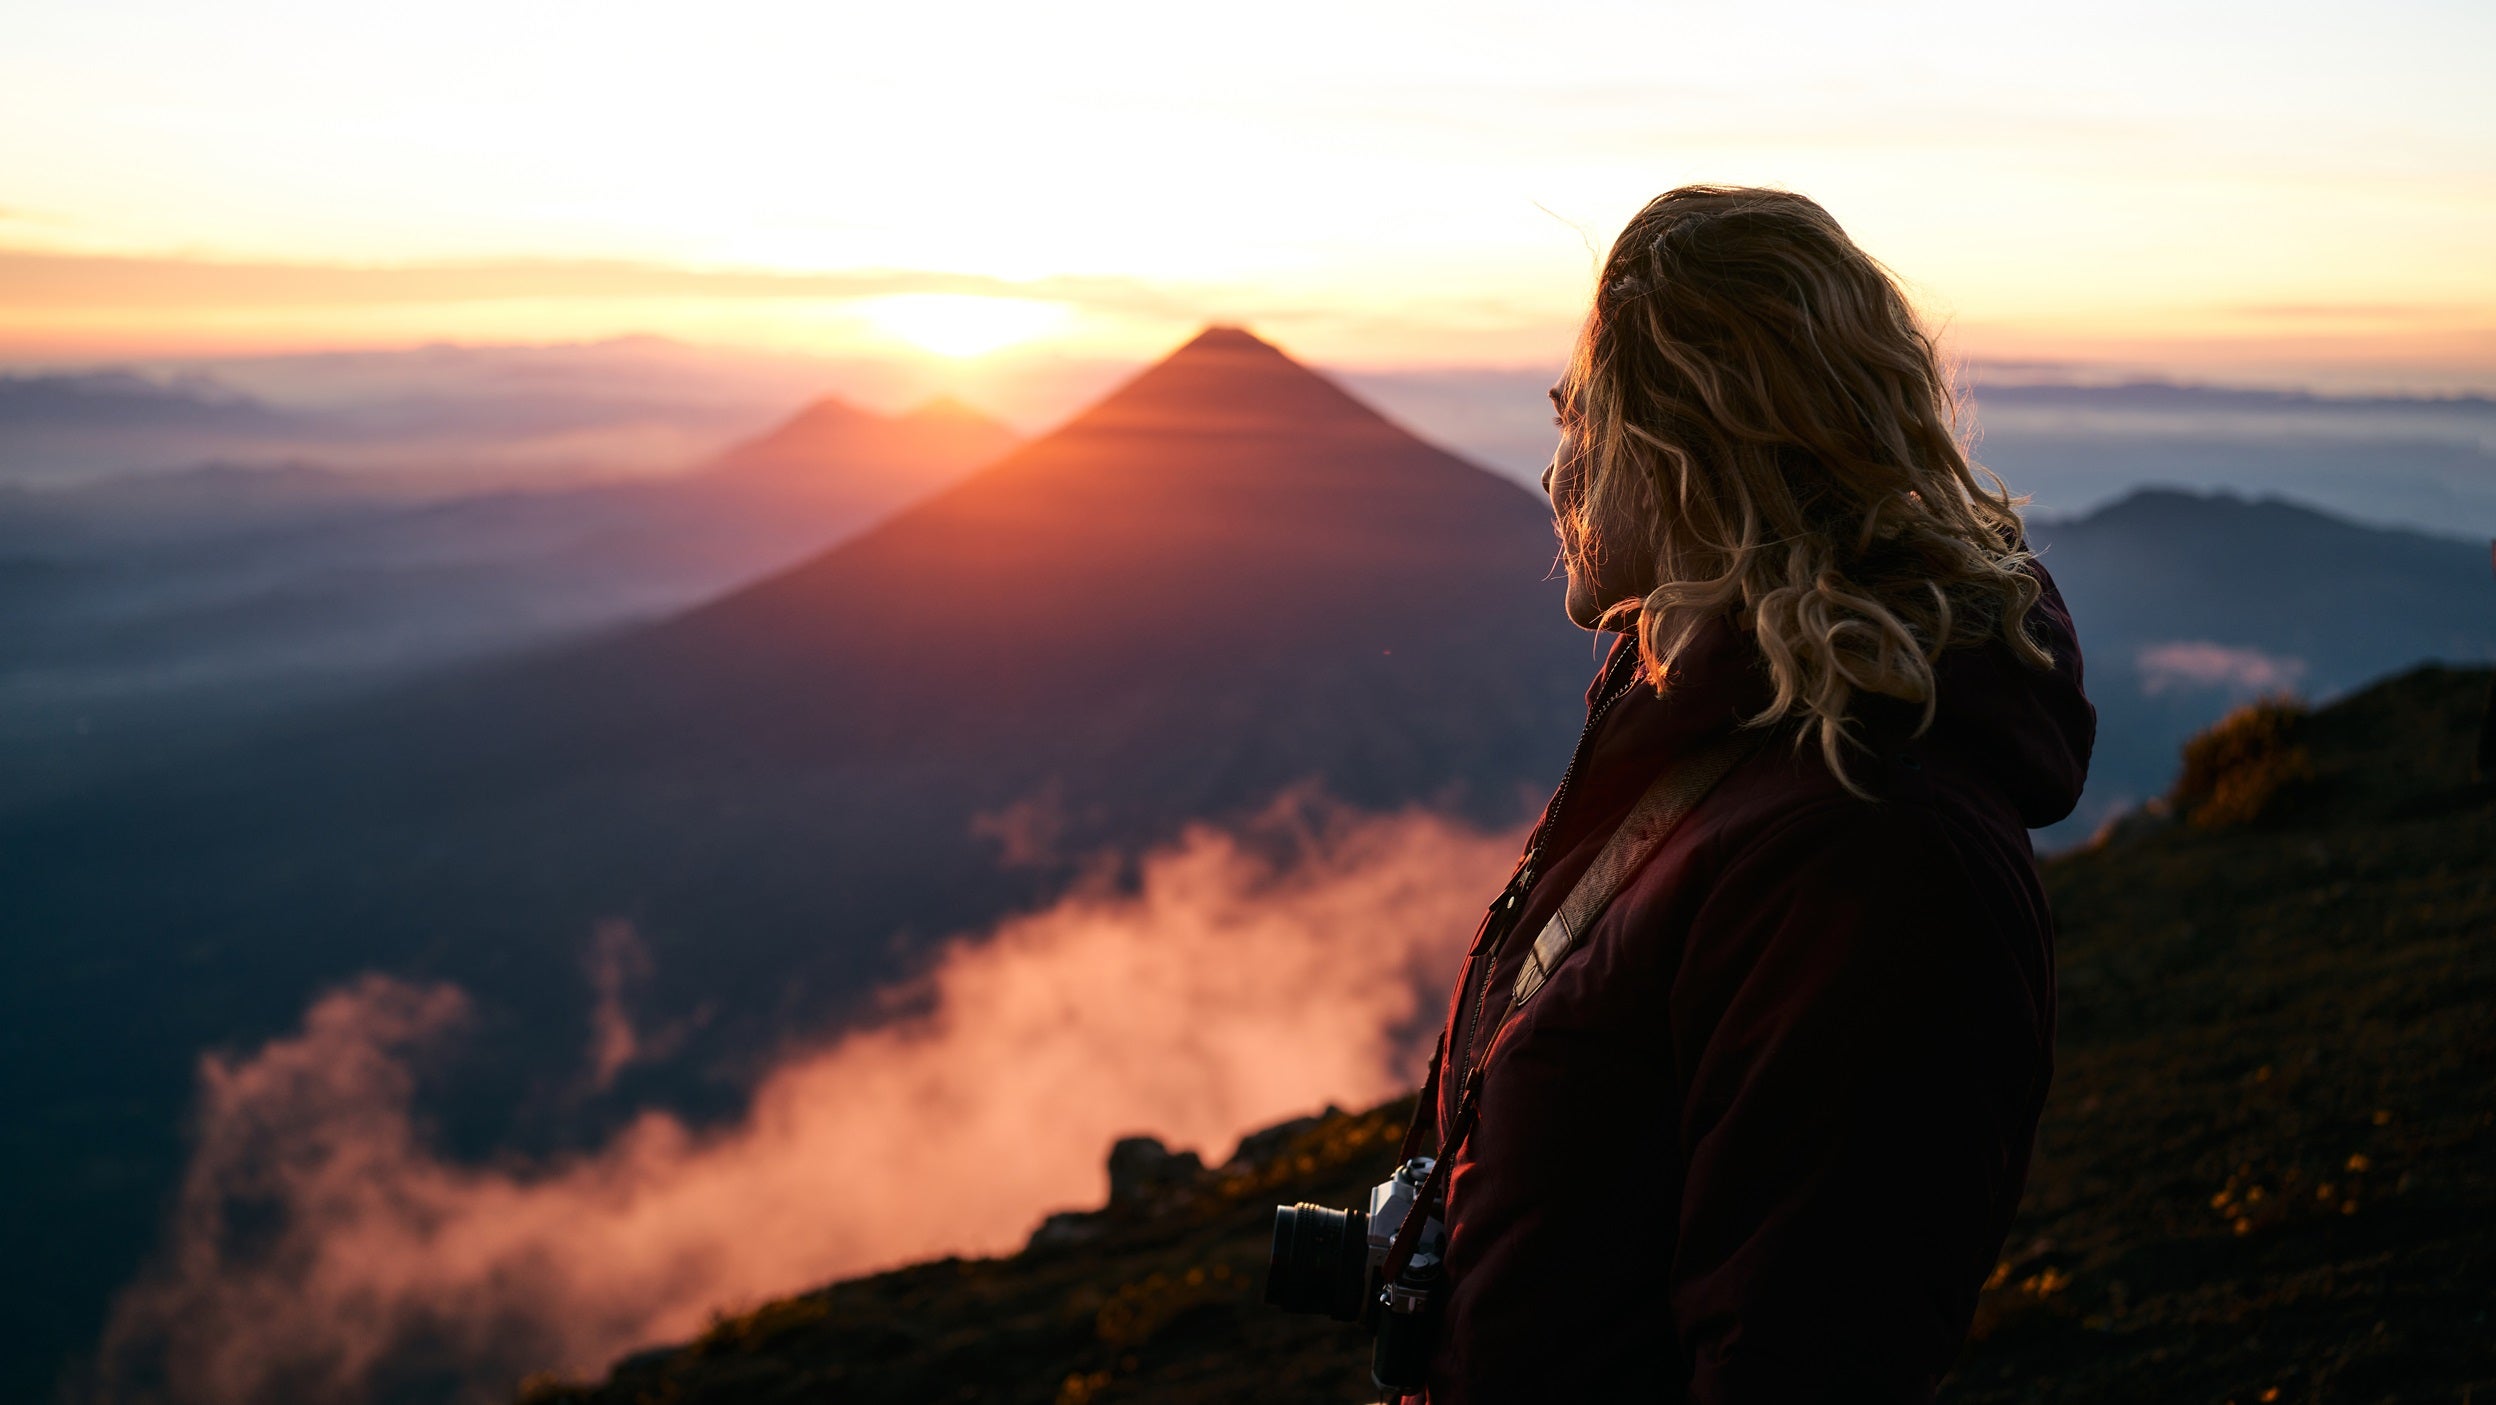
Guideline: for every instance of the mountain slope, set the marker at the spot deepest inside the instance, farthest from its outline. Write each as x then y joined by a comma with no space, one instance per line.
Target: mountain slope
2264,1171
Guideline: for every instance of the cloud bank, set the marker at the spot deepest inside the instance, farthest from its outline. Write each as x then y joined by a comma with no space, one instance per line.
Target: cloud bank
321,1251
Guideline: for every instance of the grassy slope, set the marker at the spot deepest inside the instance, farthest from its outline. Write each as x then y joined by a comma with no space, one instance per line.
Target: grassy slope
2268,1172
2270,1158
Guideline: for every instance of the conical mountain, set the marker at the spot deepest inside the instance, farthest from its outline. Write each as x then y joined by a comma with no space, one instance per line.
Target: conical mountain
1227,579
1225,515
838,454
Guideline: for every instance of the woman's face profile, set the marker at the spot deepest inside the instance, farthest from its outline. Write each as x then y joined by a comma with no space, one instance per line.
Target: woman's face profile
1564,482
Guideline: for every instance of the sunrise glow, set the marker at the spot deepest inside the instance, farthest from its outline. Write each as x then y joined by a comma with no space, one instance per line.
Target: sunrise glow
962,325
1376,183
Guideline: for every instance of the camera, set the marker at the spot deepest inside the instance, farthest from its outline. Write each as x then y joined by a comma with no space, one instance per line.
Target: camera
1333,1262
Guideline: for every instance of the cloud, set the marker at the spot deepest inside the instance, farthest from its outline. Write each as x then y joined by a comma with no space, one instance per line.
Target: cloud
38,279
2197,663
617,961
1029,831
2439,313
320,1250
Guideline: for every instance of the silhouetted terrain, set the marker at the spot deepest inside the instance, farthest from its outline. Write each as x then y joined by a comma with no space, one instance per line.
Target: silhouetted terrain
2267,1171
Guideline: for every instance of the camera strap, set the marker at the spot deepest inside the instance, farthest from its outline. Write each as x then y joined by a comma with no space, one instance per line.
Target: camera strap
1641,832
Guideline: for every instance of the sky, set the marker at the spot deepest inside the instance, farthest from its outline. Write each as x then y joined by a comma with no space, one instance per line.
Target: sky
2278,193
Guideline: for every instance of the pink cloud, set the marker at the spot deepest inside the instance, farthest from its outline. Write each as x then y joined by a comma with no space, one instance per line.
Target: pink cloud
2198,663
617,961
320,1247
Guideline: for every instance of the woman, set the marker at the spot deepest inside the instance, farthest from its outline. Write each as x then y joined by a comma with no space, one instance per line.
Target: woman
1758,1133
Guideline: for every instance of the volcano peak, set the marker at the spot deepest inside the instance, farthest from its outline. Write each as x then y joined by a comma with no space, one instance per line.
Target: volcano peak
1227,381
1224,336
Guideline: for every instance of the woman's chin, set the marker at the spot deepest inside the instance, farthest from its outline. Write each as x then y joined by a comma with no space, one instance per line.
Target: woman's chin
1586,614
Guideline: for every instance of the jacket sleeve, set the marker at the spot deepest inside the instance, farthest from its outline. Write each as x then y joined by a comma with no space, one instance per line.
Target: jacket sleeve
1862,1031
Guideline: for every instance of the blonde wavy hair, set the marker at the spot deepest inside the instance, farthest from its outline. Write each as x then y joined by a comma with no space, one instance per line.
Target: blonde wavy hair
1753,422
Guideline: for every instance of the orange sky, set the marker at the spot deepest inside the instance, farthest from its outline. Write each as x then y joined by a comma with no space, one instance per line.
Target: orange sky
2304,194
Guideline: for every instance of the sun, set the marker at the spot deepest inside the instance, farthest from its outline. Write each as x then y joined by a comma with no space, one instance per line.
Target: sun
963,324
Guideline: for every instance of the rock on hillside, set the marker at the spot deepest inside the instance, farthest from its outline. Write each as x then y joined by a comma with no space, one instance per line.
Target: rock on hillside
2268,1170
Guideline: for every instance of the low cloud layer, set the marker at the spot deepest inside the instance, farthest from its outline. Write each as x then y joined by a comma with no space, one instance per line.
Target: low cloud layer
321,1249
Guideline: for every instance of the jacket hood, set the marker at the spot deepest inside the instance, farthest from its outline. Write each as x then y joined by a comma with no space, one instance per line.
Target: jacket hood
2028,732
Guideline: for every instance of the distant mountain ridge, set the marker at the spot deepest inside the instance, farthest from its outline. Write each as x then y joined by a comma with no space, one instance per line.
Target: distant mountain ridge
2425,463
436,418
121,399
2153,393
2189,601
146,604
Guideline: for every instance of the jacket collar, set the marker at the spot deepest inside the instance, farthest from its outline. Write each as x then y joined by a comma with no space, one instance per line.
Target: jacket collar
2024,732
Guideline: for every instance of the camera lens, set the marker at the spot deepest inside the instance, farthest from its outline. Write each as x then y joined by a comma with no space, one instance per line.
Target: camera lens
1320,1262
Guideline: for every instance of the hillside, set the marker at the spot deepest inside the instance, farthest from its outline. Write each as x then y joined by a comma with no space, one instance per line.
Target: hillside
2267,1171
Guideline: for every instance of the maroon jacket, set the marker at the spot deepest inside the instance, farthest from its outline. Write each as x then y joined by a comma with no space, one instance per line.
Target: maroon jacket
1761,1135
